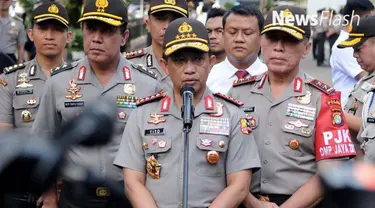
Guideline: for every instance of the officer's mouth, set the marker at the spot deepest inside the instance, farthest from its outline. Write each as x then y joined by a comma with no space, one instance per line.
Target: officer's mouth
190,81
96,50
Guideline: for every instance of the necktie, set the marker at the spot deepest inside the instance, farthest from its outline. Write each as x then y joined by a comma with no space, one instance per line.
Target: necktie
241,74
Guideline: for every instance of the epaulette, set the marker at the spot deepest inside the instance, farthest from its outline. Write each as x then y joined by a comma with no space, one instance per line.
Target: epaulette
229,99
18,18
144,70
63,68
14,68
149,99
322,86
242,81
134,54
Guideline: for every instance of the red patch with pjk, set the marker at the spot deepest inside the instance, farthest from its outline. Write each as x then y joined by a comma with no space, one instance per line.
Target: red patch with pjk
332,137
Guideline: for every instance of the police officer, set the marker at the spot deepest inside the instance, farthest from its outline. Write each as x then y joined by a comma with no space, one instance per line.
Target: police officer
12,32
360,103
354,106
103,72
222,152
21,85
161,13
298,120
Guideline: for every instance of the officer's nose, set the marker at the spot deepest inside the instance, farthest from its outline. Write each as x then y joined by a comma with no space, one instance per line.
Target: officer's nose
279,46
190,68
97,36
49,34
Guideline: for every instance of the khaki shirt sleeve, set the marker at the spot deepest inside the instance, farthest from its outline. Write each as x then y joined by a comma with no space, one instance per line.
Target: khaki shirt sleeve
131,154
243,151
21,35
6,100
48,118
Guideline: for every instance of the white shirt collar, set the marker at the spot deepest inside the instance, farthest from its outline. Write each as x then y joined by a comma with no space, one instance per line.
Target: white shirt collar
232,69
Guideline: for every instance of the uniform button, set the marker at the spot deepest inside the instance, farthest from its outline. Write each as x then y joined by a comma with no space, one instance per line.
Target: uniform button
268,142
101,168
264,181
265,162
270,123
181,176
181,205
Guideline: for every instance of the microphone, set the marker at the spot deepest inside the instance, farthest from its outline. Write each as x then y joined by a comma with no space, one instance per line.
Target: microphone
187,109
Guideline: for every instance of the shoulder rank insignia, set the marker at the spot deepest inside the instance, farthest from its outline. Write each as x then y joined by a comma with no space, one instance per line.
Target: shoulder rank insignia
144,70
229,99
134,54
322,86
63,68
14,68
243,81
149,99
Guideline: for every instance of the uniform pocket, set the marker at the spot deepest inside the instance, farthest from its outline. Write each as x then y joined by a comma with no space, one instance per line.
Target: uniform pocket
25,109
210,160
122,119
297,138
160,148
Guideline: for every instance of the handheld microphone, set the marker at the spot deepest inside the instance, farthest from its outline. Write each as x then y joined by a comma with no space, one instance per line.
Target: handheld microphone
187,109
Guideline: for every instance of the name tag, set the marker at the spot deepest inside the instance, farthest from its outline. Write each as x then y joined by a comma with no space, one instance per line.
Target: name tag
74,104
154,132
370,120
24,92
248,109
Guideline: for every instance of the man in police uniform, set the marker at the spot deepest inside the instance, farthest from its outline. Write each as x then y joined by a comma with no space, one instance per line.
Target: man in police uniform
104,72
12,33
298,120
21,85
222,152
161,13
362,39
354,106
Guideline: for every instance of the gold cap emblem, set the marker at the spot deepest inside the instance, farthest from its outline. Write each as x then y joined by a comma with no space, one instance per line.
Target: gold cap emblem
286,14
101,5
185,28
172,2
53,9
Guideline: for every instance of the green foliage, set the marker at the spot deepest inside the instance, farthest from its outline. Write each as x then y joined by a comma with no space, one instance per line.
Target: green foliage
74,12
228,5
77,43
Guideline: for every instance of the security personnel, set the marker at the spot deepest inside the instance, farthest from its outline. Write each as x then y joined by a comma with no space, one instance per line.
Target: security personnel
362,38
222,149
21,85
12,33
103,72
298,120
161,13
354,106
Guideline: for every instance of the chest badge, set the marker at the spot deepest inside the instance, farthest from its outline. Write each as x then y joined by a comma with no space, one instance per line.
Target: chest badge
129,89
26,116
73,90
23,80
306,99
156,119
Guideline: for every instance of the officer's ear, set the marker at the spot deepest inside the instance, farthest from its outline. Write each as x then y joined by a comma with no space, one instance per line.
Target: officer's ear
69,36
212,60
30,34
307,48
164,64
125,37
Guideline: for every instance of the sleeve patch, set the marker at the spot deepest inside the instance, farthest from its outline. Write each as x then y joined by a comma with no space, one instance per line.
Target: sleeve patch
332,136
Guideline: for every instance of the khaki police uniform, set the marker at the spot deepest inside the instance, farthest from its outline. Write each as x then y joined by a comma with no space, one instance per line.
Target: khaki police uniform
12,33
146,56
153,144
22,84
221,139
302,127
364,89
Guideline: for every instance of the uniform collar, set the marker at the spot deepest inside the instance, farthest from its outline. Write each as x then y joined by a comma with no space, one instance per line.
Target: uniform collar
85,75
34,70
206,105
295,89
152,62
369,76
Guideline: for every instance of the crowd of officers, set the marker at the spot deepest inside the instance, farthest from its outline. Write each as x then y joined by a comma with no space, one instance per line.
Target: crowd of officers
259,145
